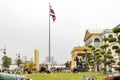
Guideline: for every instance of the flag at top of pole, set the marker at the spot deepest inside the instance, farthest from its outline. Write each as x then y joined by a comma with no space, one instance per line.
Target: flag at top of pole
52,13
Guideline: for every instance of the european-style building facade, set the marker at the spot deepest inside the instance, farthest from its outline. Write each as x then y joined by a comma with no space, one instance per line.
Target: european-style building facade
95,37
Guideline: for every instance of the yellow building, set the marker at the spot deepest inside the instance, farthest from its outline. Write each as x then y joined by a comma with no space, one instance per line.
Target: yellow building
36,59
77,52
94,37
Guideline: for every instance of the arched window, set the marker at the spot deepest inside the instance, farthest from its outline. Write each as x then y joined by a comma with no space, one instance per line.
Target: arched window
97,42
109,49
110,36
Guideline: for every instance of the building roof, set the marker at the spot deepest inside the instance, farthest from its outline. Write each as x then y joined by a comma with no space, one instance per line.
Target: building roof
117,26
89,32
80,49
97,31
107,31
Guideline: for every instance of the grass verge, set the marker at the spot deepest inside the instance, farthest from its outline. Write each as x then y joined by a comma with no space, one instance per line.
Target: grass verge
64,76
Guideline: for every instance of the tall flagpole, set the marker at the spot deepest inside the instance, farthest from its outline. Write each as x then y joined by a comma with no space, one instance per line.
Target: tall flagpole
49,33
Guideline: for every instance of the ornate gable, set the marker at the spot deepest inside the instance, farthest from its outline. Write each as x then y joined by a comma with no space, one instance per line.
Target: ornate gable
87,34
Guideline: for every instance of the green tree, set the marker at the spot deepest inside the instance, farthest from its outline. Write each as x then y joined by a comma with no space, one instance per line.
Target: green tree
98,60
109,59
6,61
104,53
94,53
88,59
67,64
116,30
18,62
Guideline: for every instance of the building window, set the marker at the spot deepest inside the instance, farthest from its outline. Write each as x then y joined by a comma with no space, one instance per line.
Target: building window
109,49
110,36
97,42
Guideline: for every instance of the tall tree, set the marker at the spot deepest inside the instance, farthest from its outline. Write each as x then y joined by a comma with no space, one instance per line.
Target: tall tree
88,57
98,60
104,53
116,30
6,61
94,53
67,64
18,62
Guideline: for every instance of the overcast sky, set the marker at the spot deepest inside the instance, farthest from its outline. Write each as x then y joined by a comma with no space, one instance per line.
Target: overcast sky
24,25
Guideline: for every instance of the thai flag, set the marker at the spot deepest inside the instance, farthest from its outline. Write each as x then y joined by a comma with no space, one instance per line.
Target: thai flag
52,13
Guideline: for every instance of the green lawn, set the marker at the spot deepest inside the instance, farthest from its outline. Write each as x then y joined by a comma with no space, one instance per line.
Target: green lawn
64,76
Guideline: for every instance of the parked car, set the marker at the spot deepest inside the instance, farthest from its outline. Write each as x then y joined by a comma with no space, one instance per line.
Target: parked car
113,77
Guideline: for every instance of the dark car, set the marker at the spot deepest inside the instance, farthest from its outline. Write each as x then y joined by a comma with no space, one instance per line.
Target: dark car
113,77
